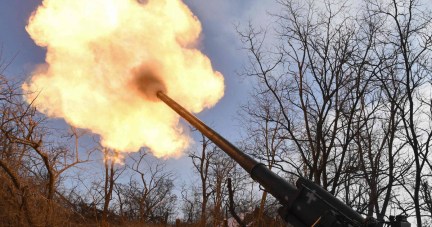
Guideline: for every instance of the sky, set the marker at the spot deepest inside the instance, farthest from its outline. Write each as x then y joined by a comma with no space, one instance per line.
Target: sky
219,42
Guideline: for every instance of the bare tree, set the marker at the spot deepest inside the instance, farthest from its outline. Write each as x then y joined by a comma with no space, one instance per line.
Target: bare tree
153,188
220,167
112,173
191,198
346,86
201,160
231,204
409,35
261,118
40,152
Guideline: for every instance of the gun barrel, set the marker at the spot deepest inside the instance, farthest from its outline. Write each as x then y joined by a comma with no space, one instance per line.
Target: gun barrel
279,188
243,159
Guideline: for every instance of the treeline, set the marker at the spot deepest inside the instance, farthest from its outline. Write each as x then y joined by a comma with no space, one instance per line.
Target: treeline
341,96
51,177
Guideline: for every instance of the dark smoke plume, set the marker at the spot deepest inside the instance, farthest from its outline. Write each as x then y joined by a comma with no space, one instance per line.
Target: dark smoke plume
147,80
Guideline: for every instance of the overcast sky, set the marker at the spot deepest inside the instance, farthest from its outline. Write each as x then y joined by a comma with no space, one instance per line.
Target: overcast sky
220,44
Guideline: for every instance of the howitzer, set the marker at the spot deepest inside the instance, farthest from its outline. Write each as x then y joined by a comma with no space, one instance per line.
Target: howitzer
305,205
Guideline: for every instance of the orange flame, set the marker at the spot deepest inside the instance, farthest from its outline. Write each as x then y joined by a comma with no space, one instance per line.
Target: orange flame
100,54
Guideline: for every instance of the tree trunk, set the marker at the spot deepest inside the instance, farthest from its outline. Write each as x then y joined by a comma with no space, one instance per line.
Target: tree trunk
109,183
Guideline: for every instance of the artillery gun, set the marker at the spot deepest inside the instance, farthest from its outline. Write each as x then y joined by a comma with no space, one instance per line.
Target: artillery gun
306,204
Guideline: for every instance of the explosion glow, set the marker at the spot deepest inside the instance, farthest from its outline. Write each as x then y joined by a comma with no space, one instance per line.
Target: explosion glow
102,57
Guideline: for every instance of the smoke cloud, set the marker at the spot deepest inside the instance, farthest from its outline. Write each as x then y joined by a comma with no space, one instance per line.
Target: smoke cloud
105,61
